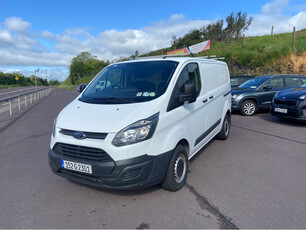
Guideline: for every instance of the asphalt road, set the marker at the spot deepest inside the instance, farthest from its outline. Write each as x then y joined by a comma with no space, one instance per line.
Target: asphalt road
11,92
255,179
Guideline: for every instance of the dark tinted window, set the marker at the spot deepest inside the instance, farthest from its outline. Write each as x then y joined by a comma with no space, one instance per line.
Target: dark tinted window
130,82
293,82
303,80
275,83
190,74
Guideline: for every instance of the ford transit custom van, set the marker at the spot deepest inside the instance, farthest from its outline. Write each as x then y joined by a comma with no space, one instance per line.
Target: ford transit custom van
141,128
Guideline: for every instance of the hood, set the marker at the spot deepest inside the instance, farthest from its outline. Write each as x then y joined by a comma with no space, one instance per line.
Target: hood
242,90
292,93
104,118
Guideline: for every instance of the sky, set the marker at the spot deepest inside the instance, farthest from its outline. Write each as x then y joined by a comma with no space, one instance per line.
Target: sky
48,34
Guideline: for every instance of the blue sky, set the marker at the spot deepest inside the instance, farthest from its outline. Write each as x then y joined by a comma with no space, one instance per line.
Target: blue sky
48,34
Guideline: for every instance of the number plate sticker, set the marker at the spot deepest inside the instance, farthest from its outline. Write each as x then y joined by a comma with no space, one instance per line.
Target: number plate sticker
84,168
280,110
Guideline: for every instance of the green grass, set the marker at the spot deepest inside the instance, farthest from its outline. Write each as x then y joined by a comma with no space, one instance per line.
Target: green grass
257,51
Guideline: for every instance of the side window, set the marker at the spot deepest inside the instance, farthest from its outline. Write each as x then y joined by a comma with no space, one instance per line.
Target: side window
303,80
111,78
275,83
293,82
190,74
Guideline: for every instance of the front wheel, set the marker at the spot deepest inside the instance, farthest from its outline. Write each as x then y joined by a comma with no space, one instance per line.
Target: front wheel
224,132
248,108
177,170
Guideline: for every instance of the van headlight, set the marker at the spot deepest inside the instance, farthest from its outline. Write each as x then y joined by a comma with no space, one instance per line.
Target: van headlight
139,131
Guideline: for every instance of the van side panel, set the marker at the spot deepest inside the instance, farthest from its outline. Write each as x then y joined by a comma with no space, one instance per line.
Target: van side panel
215,84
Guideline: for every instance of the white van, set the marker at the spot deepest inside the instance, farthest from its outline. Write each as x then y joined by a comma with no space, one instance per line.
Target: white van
142,128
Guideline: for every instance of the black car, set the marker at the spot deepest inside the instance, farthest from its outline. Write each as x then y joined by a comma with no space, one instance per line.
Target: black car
238,80
290,104
258,92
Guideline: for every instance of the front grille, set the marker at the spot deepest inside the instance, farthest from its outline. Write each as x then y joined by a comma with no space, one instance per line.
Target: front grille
285,102
87,134
80,175
81,152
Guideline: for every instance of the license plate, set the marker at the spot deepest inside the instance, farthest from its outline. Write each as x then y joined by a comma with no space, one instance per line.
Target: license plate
280,110
84,168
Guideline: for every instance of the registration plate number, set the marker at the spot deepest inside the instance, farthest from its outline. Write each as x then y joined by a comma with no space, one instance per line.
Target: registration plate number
84,168
280,110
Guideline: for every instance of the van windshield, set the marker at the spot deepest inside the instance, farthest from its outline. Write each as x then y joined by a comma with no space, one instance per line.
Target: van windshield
130,82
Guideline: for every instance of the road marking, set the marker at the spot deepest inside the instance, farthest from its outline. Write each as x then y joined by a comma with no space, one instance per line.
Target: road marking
269,134
16,91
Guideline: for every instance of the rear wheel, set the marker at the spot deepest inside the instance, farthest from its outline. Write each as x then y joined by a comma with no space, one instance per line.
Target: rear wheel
177,170
248,108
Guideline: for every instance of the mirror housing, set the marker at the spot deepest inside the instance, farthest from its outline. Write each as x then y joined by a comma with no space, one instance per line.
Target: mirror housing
82,87
190,93
268,87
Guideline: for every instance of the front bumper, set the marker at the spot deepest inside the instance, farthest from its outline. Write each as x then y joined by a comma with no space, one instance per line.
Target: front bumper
139,172
293,113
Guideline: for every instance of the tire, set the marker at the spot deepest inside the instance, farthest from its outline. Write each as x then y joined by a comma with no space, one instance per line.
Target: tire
177,170
248,108
224,132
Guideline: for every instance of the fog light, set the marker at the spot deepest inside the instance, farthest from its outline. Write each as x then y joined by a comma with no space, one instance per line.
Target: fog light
304,112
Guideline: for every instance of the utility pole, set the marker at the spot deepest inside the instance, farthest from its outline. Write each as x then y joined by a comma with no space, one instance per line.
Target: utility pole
294,50
272,30
35,79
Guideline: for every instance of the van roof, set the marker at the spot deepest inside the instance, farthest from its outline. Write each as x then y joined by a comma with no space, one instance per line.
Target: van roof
177,59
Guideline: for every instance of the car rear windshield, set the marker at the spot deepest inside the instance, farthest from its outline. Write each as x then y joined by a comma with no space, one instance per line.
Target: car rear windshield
130,82
254,83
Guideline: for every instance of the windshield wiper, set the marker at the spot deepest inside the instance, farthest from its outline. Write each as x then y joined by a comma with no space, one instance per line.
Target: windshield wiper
108,99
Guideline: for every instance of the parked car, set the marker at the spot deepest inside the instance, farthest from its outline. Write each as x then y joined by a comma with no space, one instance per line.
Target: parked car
290,104
142,129
258,92
82,87
238,80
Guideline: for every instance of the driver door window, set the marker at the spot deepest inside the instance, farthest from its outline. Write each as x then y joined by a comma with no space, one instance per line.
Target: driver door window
275,83
190,74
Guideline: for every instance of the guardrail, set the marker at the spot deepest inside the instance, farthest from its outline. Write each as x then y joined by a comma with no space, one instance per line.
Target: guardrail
28,98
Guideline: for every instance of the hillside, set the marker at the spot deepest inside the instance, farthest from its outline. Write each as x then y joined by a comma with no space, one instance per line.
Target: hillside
261,55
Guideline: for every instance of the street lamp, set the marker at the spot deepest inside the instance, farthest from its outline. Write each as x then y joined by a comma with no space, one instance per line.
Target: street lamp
35,79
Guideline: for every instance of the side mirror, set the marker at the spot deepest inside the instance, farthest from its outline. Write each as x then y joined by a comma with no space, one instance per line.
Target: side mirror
268,87
190,93
82,87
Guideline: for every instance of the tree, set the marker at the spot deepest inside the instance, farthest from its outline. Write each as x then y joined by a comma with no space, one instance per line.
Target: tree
213,31
85,65
237,25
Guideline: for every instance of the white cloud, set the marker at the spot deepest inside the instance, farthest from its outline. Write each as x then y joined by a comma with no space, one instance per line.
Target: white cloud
272,14
16,24
5,37
275,7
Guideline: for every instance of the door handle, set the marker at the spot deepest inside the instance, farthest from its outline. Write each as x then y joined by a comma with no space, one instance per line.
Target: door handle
205,100
211,97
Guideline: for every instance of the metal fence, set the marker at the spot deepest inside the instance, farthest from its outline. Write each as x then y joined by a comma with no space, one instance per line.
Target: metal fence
25,99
